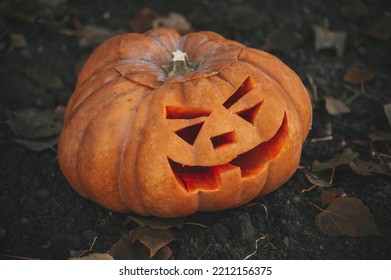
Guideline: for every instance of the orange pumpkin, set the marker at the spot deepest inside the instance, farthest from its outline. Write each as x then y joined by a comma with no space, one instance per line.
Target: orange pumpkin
167,125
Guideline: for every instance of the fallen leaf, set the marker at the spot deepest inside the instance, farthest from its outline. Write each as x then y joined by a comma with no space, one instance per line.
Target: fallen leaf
380,29
32,123
143,20
94,256
344,158
354,10
174,20
156,223
330,194
153,239
283,41
347,216
368,168
316,181
326,39
18,41
143,243
387,110
357,76
92,36
44,79
335,107
38,145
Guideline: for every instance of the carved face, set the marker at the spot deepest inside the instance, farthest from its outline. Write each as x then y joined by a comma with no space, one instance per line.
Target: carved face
168,136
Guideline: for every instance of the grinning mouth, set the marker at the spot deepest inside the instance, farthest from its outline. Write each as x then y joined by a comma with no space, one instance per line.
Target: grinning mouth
208,178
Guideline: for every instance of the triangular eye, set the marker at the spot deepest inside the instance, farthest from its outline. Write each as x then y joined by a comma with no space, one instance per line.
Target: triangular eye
250,113
190,133
243,89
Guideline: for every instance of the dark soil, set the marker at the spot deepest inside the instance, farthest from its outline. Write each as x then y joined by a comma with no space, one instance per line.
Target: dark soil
42,217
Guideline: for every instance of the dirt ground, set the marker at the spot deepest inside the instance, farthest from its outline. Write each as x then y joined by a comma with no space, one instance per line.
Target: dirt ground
42,46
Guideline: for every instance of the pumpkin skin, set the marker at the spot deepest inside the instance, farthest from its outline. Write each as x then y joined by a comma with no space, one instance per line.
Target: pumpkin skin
139,137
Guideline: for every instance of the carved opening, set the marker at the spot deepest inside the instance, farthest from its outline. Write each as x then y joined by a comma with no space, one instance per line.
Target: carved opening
251,113
243,89
174,112
223,139
255,159
195,178
190,133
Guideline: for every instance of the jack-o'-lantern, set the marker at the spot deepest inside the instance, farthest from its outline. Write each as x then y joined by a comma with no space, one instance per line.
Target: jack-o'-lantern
167,125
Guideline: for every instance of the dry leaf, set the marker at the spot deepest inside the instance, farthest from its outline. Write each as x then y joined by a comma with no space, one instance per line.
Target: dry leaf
44,79
380,29
18,41
143,20
335,107
94,256
143,243
326,39
357,76
387,110
347,216
283,41
153,239
354,10
174,20
38,144
156,223
92,35
367,168
316,181
329,195
344,158
32,123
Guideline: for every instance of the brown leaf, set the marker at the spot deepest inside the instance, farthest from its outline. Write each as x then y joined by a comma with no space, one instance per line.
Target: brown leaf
143,243
367,168
329,195
347,216
357,76
387,110
153,239
315,180
354,10
33,123
156,223
380,29
380,137
174,20
143,20
335,107
344,158
44,79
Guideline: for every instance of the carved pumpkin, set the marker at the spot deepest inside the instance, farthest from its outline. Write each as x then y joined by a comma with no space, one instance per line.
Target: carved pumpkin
166,125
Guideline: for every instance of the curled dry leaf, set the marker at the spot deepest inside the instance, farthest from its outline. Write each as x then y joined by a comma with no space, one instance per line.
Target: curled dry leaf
326,39
315,180
357,76
143,243
347,216
344,158
335,107
44,79
175,21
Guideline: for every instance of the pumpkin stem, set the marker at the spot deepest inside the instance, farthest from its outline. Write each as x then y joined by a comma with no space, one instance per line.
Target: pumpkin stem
179,65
